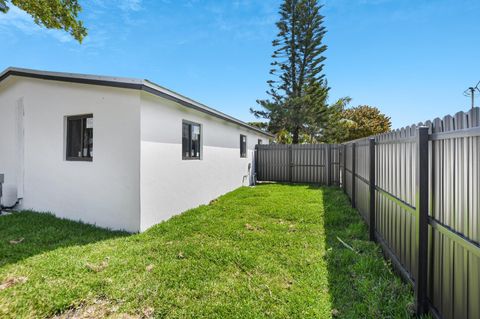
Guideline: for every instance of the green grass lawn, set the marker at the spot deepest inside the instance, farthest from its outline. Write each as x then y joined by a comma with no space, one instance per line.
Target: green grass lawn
269,251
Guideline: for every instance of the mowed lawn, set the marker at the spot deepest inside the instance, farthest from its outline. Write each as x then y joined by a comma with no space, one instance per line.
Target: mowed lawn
269,251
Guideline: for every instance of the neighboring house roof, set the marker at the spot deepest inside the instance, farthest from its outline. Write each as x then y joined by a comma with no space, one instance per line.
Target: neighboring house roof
127,83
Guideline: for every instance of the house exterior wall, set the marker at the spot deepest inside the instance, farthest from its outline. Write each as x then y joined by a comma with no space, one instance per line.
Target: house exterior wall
170,185
105,191
137,177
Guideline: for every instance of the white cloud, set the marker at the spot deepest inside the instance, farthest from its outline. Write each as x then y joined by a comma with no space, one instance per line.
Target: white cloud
124,5
130,5
20,20
225,17
60,35
352,4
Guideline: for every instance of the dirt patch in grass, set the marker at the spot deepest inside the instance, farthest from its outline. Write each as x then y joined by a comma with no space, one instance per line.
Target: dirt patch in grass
11,281
101,308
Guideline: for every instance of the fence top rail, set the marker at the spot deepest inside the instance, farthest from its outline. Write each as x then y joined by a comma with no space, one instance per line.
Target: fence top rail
461,133
468,132
298,146
406,141
363,144
409,139
402,203
458,237
448,127
359,143
272,145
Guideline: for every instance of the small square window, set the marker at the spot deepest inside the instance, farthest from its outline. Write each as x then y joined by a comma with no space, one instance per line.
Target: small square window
243,146
260,141
191,140
79,144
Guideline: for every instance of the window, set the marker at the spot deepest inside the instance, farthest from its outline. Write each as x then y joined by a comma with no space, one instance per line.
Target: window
191,142
243,146
260,141
79,145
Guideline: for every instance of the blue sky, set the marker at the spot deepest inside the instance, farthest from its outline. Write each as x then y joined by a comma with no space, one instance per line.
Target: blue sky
411,58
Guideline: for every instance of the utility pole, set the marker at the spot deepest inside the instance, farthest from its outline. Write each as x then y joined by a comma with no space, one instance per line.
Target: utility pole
471,92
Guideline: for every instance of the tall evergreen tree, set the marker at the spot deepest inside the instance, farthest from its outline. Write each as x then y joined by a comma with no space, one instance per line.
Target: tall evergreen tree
298,92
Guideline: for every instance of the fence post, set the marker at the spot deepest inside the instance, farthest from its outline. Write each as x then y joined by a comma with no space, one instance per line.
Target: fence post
290,164
353,174
329,165
421,197
371,228
344,168
255,163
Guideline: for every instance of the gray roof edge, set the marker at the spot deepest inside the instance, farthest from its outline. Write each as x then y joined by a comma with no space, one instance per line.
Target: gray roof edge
64,75
202,107
129,83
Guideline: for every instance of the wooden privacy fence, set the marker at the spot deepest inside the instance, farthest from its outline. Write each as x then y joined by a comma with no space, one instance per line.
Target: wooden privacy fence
418,189
301,163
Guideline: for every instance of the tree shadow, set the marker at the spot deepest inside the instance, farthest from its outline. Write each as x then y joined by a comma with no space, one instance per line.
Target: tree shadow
362,283
25,234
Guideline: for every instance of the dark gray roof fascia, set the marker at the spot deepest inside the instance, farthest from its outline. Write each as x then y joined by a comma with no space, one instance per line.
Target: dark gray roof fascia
127,83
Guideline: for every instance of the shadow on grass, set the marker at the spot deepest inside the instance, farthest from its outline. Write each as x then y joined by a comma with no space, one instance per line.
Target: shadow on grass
361,282
25,234
219,272
309,185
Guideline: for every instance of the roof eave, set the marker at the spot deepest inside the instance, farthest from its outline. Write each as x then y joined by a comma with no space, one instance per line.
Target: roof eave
127,83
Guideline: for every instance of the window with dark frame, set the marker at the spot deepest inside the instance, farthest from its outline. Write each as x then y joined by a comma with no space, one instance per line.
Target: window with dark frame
243,146
191,140
79,144
260,141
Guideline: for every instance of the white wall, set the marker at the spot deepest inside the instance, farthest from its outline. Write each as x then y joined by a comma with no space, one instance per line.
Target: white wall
9,152
170,185
137,177
104,191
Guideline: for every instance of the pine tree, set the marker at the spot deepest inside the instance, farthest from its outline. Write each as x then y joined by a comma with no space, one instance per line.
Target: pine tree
299,91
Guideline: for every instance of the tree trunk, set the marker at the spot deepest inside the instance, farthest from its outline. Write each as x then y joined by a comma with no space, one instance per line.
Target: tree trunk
295,136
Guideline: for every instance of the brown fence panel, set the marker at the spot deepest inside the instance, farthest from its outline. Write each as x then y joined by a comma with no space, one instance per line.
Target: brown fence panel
418,189
301,163
395,194
453,235
348,170
335,164
362,181
454,228
272,163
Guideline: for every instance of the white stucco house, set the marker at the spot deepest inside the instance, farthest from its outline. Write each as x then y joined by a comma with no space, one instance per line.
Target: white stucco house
116,152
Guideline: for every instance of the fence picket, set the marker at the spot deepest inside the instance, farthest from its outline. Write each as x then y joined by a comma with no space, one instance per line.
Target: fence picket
473,291
454,223
304,163
451,180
